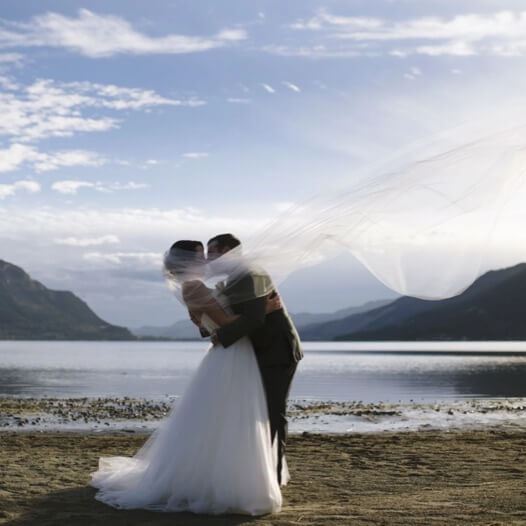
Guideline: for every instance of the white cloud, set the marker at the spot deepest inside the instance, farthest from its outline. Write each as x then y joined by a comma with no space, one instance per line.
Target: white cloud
238,100
316,51
471,27
13,157
413,73
110,187
48,162
153,228
268,88
47,108
88,241
145,259
123,98
8,83
18,155
291,86
323,19
11,58
95,36
453,48
7,190
232,35
195,155
146,165
71,187
500,33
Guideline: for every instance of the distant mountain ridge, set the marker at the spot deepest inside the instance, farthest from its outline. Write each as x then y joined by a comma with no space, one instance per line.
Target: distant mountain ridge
186,330
304,320
31,311
492,308
179,330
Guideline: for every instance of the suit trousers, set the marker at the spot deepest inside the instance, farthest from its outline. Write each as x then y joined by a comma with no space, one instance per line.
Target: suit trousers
277,380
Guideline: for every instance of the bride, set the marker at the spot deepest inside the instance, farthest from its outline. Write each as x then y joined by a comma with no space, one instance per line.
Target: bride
213,452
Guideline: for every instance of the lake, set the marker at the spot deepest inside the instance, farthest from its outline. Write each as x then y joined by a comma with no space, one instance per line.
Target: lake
369,372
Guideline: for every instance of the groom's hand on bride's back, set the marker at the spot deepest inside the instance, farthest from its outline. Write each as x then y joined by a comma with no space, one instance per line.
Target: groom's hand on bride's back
194,318
273,303
197,322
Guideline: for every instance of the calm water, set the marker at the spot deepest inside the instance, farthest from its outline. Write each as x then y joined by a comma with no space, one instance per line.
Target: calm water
329,371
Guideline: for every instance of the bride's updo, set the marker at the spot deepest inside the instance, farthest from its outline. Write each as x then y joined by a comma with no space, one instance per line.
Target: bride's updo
184,260
184,266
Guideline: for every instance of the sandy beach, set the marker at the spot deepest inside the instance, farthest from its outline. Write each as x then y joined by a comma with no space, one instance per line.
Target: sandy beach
429,477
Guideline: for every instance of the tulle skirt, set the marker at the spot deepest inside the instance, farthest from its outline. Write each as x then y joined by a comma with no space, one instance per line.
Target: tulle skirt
212,454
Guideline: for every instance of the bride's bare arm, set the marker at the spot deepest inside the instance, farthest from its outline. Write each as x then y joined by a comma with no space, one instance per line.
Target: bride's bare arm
200,300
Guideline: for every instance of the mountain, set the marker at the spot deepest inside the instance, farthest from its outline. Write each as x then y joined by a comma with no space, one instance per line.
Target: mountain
30,311
335,283
186,330
304,320
492,308
392,312
180,330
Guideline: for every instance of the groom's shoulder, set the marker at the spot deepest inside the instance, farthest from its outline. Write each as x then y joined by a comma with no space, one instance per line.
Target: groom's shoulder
254,280
258,276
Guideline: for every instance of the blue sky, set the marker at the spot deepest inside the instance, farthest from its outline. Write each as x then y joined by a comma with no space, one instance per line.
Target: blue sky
127,125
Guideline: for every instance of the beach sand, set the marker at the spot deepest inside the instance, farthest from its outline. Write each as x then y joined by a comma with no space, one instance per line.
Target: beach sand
429,477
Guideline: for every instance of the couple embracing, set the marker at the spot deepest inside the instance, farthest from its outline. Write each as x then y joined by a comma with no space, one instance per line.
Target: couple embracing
222,447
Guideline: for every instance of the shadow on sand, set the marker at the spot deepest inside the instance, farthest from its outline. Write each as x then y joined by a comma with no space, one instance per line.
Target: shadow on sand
77,506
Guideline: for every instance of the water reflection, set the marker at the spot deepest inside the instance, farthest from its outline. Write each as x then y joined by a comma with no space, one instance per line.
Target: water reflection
155,370
505,380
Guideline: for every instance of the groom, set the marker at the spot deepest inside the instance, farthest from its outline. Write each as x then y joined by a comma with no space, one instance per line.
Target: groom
275,340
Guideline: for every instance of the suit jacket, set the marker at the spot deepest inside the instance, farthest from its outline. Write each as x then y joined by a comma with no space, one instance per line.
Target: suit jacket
273,336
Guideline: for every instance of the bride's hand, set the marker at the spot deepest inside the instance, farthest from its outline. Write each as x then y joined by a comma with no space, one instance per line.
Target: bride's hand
273,303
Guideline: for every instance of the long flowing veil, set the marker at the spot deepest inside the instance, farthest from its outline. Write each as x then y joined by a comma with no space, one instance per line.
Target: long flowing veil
427,225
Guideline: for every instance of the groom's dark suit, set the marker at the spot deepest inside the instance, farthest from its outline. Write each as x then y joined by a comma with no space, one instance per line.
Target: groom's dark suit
276,344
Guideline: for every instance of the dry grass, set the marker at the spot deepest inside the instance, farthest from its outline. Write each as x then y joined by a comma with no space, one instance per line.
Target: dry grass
463,477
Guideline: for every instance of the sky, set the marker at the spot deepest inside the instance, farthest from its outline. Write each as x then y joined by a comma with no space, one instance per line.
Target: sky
128,125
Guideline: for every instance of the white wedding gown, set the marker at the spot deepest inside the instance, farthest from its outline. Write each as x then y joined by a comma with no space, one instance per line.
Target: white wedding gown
212,454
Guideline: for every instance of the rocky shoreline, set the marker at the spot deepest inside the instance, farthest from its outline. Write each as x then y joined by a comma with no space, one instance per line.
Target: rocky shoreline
142,415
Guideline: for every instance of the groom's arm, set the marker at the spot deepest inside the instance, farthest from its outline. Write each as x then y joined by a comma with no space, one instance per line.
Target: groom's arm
251,317
251,313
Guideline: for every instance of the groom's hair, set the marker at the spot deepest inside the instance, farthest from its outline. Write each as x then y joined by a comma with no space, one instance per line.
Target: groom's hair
225,241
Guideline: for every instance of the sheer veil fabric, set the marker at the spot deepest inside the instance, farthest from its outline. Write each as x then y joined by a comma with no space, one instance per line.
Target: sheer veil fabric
426,224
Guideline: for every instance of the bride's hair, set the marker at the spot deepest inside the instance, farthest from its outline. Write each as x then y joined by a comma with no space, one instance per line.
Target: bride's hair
183,255
189,245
